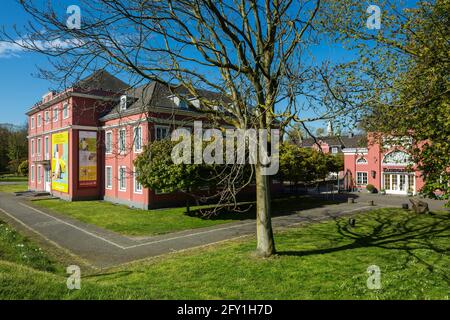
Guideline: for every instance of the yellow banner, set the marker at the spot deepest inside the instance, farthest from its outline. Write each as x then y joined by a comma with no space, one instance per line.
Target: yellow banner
60,161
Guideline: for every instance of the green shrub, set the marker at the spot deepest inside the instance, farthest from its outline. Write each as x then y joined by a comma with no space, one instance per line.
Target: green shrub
371,188
23,168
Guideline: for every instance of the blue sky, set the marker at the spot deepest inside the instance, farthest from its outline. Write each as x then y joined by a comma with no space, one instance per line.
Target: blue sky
19,86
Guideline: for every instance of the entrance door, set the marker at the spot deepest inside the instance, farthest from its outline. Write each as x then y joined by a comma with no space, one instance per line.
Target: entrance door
47,180
398,183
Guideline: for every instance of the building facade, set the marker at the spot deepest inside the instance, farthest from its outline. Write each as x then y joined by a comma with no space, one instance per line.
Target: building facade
383,163
83,141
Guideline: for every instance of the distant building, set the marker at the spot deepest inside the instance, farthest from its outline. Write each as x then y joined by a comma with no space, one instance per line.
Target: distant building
383,163
333,143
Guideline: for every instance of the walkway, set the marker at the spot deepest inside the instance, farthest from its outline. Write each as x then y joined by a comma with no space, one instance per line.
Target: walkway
102,248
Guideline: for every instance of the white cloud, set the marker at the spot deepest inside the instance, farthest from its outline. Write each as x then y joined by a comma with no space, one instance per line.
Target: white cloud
8,49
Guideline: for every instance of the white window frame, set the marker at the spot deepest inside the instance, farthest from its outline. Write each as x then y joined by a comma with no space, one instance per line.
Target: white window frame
39,171
367,178
65,110
136,183
33,149
161,127
38,146
123,103
110,185
361,160
334,148
46,145
119,180
120,145
138,128
110,149
32,122
46,116
55,114
32,173
39,120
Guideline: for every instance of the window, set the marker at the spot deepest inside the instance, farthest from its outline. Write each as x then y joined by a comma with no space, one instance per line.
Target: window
39,174
334,150
46,146
361,178
123,103
46,117
32,174
65,111
38,147
39,120
32,122
183,104
122,179
137,184
122,140
161,132
32,147
361,161
108,142
55,114
137,139
108,177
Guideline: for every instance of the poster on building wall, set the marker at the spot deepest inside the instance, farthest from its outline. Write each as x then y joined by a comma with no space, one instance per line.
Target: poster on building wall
60,161
87,150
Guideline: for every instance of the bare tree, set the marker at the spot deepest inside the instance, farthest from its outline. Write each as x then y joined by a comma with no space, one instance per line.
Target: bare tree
256,55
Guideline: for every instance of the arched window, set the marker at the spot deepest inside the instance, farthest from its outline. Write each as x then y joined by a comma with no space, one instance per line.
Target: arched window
397,157
361,161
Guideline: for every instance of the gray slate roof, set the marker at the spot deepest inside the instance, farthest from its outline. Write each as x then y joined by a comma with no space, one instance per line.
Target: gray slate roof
341,141
155,94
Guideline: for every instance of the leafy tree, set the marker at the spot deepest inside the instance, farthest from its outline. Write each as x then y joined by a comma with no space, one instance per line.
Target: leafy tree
306,164
23,168
335,162
17,148
156,170
4,134
320,132
409,87
295,134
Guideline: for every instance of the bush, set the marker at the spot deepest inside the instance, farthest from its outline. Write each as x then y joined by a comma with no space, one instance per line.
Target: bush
23,168
371,188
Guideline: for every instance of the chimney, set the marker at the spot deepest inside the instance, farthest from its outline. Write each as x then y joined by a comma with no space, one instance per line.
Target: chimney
351,135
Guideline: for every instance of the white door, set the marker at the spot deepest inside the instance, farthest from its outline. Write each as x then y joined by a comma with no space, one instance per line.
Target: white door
398,183
47,180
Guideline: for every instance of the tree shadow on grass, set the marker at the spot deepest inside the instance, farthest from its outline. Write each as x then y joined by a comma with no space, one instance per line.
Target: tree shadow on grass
281,206
386,229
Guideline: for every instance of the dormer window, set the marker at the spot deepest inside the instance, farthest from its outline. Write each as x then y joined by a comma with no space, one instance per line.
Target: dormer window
183,104
123,103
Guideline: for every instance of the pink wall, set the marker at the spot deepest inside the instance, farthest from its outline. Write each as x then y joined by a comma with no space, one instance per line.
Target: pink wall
374,167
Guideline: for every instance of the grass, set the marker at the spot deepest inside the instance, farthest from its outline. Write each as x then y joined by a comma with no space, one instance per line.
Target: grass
137,222
326,260
13,178
16,187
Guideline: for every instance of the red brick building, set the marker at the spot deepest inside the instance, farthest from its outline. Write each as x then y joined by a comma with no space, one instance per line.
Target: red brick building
83,141
385,164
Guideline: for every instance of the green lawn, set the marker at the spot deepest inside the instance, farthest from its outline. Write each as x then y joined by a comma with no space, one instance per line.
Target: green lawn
16,187
12,178
136,222
326,260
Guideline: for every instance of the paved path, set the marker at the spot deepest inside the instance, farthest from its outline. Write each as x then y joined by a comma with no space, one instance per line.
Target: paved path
102,248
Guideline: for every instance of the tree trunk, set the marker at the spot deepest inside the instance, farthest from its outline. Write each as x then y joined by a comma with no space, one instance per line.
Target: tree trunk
264,234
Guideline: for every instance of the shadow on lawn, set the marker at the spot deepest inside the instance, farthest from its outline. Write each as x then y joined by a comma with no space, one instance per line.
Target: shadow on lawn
387,230
281,206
